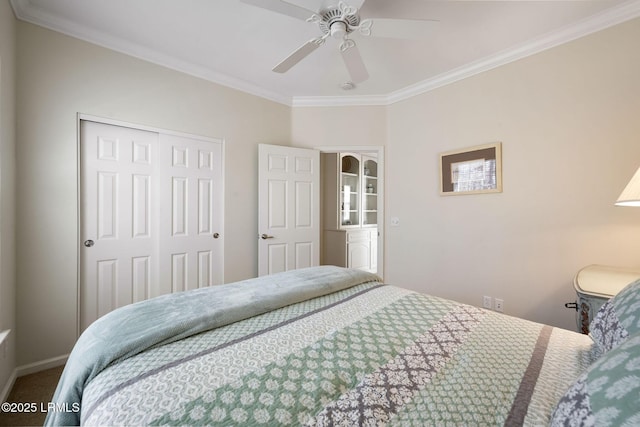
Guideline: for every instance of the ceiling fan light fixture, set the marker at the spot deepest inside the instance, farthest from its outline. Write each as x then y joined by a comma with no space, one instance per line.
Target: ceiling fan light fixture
338,30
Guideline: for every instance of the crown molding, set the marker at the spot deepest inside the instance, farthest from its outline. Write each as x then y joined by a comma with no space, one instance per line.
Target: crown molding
626,11
25,11
339,101
616,15
608,18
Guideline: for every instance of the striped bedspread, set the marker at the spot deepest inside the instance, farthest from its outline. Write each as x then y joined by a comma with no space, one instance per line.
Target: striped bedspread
370,354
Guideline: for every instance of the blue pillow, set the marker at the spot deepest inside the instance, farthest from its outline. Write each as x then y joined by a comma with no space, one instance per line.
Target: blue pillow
607,394
617,319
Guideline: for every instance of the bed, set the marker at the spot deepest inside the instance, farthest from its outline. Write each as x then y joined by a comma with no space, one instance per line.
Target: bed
334,346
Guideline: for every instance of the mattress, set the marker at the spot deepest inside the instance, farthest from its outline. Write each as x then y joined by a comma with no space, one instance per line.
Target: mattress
353,351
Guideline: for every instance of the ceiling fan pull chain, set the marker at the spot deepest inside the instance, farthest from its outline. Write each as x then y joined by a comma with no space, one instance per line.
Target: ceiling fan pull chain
365,27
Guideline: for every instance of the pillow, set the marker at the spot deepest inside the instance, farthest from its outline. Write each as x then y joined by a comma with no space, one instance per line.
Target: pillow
617,319
607,393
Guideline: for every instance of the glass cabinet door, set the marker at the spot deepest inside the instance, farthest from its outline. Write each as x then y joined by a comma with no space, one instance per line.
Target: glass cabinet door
350,191
370,191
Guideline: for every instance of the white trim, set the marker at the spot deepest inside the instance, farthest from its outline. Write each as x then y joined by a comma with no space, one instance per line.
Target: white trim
115,122
42,365
8,386
339,101
30,368
12,378
79,118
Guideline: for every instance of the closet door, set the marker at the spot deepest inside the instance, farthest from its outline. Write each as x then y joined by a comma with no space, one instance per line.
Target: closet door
118,252
191,244
151,216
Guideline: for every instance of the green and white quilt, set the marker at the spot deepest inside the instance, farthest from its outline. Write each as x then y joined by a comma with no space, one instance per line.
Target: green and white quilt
367,354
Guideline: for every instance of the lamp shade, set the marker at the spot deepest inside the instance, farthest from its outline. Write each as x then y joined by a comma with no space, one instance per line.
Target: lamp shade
630,196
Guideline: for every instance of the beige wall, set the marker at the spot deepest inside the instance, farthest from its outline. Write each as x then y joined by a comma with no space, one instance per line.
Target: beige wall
7,189
568,119
60,77
339,126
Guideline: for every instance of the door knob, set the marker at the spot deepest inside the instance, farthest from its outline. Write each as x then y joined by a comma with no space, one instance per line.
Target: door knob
216,235
265,236
89,243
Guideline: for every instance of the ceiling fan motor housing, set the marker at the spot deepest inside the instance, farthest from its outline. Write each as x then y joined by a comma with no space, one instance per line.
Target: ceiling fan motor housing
334,24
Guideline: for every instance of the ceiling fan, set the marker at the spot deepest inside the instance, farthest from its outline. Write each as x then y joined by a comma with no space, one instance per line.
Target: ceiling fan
340,21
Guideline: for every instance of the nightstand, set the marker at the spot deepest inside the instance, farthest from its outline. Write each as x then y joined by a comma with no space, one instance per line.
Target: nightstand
594,285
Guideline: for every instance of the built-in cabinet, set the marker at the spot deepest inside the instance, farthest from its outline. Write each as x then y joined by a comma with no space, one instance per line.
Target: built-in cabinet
350,208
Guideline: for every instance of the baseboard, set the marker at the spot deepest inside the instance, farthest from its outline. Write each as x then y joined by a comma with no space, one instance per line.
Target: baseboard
41,365
31,368
8,386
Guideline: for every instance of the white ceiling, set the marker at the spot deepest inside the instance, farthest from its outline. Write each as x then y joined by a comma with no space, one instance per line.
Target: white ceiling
237,45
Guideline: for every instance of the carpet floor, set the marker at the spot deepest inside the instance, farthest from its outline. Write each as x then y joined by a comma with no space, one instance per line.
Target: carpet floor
31,389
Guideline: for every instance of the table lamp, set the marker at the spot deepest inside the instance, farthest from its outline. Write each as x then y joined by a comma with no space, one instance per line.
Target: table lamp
630,196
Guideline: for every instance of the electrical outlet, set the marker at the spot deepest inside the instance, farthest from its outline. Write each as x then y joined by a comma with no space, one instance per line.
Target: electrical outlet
487,302
499,305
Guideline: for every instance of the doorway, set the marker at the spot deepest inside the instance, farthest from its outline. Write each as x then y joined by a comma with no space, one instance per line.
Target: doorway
376,243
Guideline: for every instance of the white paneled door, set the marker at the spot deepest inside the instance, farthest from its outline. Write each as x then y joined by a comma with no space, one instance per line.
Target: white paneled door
151,216
191,214
289,208
117,252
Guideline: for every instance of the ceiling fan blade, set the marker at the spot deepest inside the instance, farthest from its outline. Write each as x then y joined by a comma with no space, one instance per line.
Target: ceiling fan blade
355,3
324,4
298,55
403,28
282,7
355,65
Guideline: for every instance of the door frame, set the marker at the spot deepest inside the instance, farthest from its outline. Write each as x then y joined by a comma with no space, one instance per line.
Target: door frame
88,117
363,149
